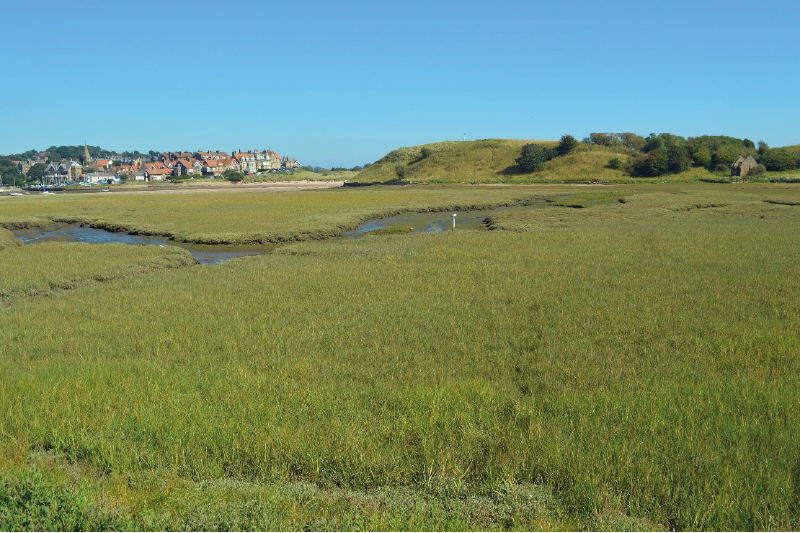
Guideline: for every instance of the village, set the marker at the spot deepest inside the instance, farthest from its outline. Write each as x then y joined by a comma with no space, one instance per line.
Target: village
165,166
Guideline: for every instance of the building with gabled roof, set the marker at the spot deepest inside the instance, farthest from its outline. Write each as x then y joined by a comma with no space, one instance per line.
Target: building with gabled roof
742,166
183,167
157,174
208,156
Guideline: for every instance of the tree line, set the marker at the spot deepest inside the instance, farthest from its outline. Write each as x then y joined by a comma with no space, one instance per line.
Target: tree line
665,153
76,153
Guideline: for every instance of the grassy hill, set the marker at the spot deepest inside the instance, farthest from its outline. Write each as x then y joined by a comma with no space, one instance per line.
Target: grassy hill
493,161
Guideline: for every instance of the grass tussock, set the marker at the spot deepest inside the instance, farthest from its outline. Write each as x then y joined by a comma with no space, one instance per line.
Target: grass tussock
7,239
626,365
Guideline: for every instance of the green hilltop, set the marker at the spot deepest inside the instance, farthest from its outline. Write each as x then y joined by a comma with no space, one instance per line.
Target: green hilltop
495,161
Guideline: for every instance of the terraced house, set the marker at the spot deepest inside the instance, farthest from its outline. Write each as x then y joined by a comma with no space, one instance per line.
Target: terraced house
254,161
247,162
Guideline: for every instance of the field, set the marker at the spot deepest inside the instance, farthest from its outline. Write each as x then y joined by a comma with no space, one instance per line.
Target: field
245,218
611,358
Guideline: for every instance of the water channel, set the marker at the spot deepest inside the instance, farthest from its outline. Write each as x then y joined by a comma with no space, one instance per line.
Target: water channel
427,222
204,254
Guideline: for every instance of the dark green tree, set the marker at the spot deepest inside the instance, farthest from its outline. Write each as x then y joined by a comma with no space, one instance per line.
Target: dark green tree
534,156
36,172
602,139
678,159
654,142
653,163
778,159
10,172
723,157
233,175
566,144
631,141
702,157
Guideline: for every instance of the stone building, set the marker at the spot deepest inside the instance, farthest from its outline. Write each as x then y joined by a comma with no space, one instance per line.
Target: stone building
742,166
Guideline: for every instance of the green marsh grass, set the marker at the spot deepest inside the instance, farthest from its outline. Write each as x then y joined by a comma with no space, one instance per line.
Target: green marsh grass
42,268
632,365
247,217
7,239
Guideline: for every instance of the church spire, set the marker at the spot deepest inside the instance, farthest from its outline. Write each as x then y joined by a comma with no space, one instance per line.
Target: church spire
86,158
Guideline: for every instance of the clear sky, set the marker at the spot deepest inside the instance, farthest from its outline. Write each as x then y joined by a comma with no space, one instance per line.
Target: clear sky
341,83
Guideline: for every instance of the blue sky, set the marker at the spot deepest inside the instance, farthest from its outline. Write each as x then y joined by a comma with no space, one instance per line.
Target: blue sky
343,83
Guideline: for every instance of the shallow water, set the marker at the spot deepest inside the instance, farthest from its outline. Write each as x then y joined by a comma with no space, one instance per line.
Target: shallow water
436,222
422,222
205,254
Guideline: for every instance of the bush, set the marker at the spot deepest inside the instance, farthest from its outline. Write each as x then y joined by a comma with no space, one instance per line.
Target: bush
653,163
233,175
615,163
678,159
566,145
31,502
534,156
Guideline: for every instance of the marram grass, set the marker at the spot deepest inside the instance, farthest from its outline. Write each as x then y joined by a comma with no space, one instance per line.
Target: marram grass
623,365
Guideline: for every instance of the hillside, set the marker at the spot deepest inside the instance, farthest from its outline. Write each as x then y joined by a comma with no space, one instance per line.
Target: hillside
493,161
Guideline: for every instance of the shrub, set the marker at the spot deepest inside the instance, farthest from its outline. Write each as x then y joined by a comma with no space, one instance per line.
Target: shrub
757,170
233,175
653,163
29,501
678,159
566,145
615,163
534,156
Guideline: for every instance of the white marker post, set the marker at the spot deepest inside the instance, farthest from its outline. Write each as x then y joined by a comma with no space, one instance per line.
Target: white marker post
454,221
